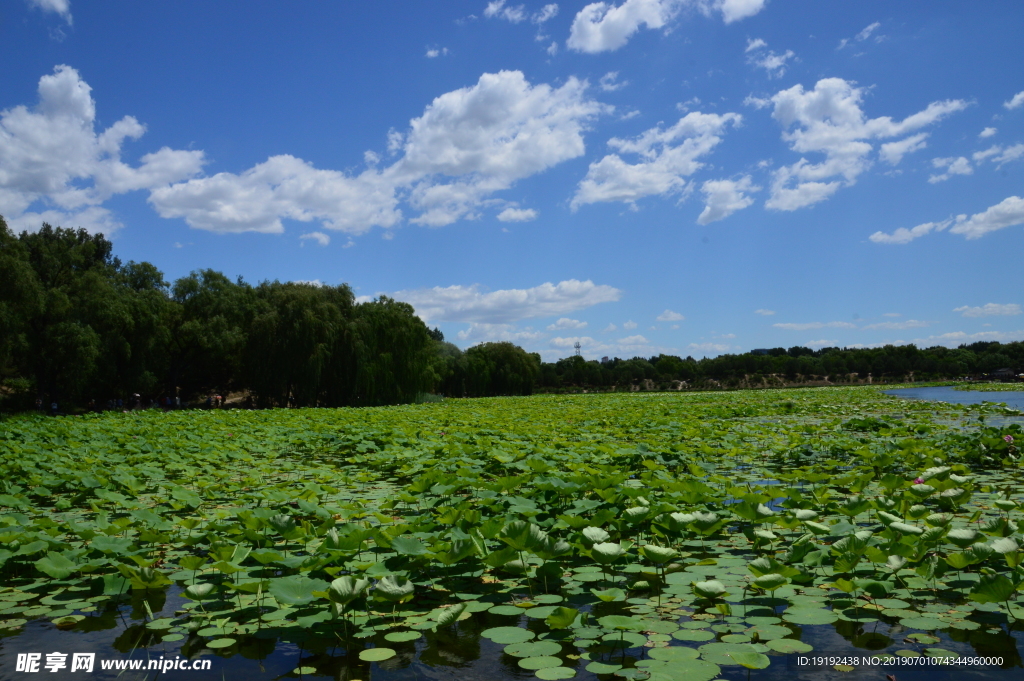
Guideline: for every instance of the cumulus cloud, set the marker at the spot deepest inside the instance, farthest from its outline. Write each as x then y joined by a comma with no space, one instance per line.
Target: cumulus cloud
1000,155
764,313
487,333
828,120
498,10
667,156
725,197
566,323
987,132
435,52
893,152
319,237
760,56
908,324
989,310
905,236
61,7
610,82
545,13
815,325
629,325
952,166
470,304
1007,213
1015,102
670,316
708,347
603,26
862,36
55,166
517,215
467,145
609,328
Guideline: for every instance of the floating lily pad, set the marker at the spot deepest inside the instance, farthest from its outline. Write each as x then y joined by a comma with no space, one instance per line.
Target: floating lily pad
220,643
507,635
540,662
789,645
693,635
555,673
810,616
533,649
673,653
924,623
402,636
376,654
505,610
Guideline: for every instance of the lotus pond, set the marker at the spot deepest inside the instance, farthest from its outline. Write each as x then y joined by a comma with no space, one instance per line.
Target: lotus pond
825,533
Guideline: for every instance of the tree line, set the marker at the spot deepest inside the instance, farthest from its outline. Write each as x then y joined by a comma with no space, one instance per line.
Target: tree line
781,366
80,328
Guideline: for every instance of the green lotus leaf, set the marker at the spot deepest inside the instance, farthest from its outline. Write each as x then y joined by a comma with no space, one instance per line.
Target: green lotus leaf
296,589
376,654
711,589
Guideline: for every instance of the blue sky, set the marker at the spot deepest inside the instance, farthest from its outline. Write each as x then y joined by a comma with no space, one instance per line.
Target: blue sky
692,177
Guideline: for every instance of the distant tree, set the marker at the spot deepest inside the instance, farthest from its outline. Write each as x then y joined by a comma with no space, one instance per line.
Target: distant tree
501,369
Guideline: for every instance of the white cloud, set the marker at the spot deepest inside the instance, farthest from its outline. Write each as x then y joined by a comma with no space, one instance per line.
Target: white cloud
725,197
953,166
955,338
319,237
609,82
987,132
434,52
670,316
708,347
602,26
1015,102
609,328
497,9
892,314
734,10
667,156
487,333
829,120
470,304
863,35
893,152
566,323
817,344
517,215
909,324
467,145
565,343
281,187
552,49
760,56
54,166
629,325
989,310
309,282
1014,153
61,7
632,341
764,313
815,325
979,156
546,12
905,236
1006,213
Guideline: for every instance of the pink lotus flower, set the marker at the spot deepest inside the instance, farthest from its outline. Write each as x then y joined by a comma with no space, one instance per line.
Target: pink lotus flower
1008,438
918,481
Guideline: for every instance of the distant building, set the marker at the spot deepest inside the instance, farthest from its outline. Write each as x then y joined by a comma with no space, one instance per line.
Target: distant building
605,360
